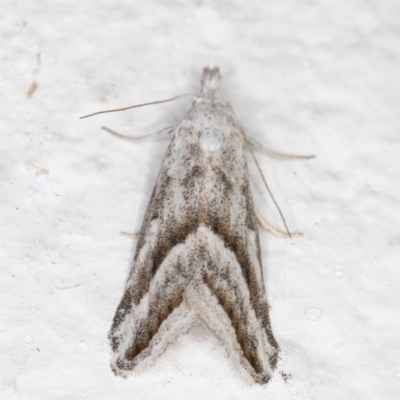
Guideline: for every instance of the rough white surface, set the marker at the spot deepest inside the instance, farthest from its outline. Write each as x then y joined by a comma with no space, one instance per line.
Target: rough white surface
303,76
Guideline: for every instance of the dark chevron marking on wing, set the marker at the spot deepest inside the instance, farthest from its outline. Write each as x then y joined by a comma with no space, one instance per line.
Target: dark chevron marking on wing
198,253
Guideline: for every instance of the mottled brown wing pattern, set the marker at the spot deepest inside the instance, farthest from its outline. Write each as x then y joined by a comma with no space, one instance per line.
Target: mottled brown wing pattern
198,253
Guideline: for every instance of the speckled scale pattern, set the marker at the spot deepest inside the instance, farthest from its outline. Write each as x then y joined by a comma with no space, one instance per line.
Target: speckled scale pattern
198,254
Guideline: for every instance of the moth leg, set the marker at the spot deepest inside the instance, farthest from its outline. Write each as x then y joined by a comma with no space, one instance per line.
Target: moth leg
167,130
282,156
130,235
271,229
270,192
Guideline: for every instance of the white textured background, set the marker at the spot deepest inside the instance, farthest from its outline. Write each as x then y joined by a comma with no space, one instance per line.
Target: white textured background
304,76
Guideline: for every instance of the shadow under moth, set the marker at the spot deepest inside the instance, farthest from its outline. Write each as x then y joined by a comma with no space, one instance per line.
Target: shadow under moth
198,254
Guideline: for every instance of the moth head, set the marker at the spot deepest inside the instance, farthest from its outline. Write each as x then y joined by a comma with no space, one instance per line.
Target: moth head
210,81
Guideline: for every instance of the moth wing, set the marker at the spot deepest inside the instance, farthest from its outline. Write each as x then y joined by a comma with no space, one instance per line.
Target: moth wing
159,271
198,255
221,298
141,332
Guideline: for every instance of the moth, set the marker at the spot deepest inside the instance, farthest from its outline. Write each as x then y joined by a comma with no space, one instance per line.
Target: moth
198,255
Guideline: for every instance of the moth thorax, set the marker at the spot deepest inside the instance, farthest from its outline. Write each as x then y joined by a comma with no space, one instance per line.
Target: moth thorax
210,81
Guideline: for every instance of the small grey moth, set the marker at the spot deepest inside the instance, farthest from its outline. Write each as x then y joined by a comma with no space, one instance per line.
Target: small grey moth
198,254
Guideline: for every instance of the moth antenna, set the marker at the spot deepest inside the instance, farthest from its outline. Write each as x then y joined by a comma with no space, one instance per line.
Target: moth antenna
270,193
194,96
167,130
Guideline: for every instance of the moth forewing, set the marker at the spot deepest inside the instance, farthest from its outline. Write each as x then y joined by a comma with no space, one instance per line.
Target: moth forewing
198,254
